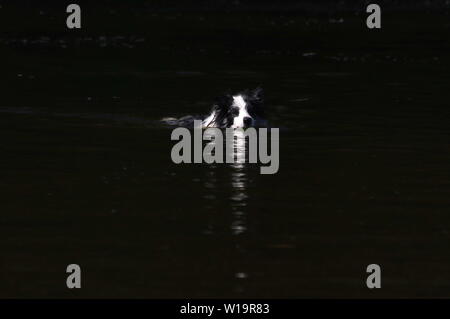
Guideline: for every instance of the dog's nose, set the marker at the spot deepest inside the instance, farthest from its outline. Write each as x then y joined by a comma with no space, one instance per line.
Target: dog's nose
247,121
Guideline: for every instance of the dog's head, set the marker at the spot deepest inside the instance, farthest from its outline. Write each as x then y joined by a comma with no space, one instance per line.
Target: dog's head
242,110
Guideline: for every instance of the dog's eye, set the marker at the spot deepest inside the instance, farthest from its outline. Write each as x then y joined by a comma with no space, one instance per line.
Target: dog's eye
234,111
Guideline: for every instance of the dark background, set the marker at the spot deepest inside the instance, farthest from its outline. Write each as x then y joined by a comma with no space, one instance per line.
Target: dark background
87,176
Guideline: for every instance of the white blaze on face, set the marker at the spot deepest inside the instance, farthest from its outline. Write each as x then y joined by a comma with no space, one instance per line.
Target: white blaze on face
238,121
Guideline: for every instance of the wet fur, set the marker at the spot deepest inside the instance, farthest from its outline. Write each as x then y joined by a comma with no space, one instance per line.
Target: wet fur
224,111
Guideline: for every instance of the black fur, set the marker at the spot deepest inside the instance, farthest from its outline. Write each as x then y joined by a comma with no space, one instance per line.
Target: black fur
224,112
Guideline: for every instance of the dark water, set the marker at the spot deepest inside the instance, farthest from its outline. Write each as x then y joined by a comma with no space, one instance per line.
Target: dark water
364,173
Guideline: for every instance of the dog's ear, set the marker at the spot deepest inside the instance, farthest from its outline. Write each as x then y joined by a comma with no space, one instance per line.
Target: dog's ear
258,94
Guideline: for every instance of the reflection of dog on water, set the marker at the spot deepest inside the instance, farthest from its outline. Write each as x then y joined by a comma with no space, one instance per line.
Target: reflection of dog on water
236,146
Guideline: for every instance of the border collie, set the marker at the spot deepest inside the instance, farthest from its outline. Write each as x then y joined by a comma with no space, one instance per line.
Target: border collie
241,110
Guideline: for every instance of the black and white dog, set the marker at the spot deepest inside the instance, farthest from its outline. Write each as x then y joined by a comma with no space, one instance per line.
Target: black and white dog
242,110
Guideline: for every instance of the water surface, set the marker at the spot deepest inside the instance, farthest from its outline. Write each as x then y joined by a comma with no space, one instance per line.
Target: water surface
364,174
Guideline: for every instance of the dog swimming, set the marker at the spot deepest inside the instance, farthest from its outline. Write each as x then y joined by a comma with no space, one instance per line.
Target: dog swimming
241,110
